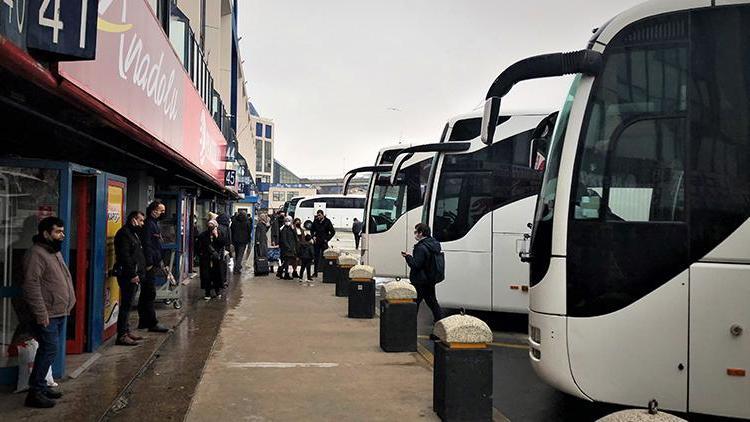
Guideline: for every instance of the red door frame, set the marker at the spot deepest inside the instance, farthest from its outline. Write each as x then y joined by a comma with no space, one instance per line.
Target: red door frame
82,196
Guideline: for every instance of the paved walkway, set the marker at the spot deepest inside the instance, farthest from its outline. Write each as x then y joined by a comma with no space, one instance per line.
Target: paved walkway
288,352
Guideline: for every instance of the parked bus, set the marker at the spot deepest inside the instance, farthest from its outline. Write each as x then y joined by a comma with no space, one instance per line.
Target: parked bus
392,209
640,250
479,202
340,209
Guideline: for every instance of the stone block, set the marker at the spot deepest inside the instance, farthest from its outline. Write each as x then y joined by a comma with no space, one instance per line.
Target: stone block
398,290
463,329
640,415
361,272
348,260
332,253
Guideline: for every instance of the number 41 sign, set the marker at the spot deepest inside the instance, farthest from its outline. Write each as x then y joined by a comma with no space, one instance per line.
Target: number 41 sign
63,28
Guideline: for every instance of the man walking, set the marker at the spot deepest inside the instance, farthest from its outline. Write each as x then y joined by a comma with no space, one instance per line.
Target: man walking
322,232
152,242
241,231
47,289
130,266
357,231
420,268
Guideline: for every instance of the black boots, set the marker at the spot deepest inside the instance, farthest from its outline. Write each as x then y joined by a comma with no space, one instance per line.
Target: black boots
39,400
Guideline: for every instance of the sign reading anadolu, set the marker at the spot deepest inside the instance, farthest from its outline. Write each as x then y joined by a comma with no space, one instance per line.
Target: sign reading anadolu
137,74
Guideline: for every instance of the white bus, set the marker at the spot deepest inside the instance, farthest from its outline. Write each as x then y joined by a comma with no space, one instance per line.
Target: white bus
479,202
340,209
640,252
392,209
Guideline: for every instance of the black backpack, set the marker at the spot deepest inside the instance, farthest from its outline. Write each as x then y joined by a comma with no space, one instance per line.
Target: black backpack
436,267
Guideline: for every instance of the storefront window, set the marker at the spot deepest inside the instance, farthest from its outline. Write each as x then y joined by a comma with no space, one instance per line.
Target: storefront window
26,196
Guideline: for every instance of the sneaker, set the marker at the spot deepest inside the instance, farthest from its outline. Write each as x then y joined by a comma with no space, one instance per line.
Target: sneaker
52,393
309,284
158,328
218,296
39,400
206,297
126,341
135,337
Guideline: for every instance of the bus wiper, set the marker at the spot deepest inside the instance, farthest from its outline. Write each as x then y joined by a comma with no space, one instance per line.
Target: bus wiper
587,62
350,175
407,153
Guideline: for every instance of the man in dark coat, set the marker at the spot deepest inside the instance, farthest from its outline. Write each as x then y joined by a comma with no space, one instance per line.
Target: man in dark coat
130,267
277,222
225,235
152,250
418,263
289,243
357,232
322,232
210,248
241,230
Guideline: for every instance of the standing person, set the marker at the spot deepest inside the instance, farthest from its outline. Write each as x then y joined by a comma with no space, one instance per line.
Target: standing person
226,235
306,256
300,232
357,231
322,232
288,243
241,229
277,223
47,289
210,248
261,236
130,266
152,241
420,268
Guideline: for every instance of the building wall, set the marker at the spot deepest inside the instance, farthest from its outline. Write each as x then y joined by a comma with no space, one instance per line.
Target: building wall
277,195
264,168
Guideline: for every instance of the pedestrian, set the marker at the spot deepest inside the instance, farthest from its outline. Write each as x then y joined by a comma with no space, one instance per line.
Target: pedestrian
241,229
210,256
47,289
288,243
277,222
152,250
420,268
306,256
300,232
261,236
322,232
225,235
357,231
130,269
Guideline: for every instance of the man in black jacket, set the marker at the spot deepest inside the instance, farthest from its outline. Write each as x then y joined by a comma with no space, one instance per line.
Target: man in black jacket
419,268
241,230
151,242
130,266
322,232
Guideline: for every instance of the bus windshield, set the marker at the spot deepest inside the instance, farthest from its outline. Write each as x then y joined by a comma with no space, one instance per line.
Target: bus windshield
389,202
541,240
293,206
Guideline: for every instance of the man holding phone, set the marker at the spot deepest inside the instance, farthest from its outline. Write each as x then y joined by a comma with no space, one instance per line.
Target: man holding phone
420,265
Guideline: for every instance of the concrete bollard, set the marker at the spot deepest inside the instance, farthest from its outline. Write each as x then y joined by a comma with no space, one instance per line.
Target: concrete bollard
345,263
640,415
330,261
398,317
462,379
362,292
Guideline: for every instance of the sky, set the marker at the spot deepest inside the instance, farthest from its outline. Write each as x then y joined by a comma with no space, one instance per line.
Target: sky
342,79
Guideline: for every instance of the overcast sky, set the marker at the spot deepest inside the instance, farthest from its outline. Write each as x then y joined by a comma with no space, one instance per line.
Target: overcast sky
330,72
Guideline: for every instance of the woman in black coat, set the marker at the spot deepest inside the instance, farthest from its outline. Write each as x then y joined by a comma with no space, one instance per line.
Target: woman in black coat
210,255
261,236
289,244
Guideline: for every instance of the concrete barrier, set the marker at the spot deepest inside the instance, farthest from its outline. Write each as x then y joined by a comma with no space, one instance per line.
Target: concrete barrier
361,291
462,379
640,415
398,317
330,261
345,263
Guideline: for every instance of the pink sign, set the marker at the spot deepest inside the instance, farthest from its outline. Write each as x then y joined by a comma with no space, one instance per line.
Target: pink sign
137,74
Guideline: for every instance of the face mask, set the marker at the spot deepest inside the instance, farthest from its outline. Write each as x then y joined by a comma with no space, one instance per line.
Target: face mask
288,223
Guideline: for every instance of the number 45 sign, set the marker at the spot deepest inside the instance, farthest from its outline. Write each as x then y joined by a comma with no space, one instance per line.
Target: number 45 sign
62,28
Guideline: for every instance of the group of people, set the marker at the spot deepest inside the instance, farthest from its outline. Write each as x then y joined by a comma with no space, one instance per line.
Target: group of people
223,239
298,250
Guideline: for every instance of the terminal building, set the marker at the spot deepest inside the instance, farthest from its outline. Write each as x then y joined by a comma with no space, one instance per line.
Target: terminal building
144,100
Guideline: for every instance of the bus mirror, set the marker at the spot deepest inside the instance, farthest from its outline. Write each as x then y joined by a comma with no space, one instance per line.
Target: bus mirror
489,119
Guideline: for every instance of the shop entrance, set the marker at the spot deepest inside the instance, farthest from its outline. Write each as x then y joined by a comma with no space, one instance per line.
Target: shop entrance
80,234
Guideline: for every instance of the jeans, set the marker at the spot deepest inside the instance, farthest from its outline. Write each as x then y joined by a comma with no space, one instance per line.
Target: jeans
146,311
356,241
239,254
427,292
48,338
127,292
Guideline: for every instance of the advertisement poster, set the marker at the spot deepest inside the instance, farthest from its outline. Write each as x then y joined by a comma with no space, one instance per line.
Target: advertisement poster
115,210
